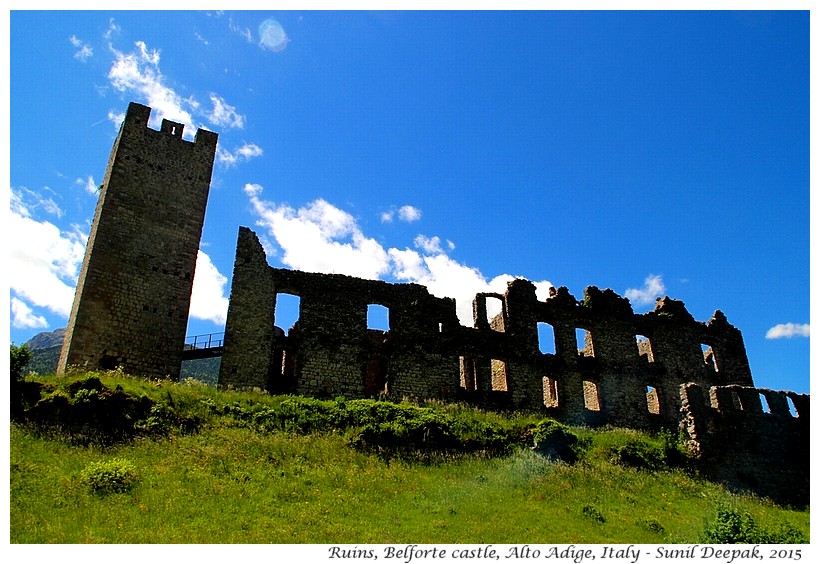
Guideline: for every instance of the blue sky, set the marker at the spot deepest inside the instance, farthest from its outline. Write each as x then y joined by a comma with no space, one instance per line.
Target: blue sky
654,153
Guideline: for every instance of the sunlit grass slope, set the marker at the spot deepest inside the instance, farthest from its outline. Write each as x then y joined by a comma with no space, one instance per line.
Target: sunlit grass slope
209,466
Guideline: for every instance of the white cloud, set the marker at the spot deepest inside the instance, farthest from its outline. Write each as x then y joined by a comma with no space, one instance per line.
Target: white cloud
244,153
17,205
408,265
319,238
43,261
322,238
409,214
113,29
405,213
208,300
116,117
788,330
447,278
88,185
25,201
430,245
138,74
22,317
84,50
224,114
653,287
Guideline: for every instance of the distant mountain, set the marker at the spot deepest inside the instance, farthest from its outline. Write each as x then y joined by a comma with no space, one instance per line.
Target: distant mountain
43,359
45,352
47,339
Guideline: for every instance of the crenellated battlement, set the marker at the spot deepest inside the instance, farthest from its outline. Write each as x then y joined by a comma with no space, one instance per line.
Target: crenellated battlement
136,121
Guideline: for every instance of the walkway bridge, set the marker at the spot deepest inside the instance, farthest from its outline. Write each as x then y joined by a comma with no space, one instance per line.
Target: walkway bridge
203,346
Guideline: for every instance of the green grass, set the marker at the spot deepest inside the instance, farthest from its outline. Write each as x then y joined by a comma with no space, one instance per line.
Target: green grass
230,483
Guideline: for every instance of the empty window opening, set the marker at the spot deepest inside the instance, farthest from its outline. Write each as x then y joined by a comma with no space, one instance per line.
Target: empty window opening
764,403
286,313
792,408
709,357
440,327
375,378
736,400
652,402
584,340
546,338
378,317
498,369
644,348
495,317
467,372
550,392
592,400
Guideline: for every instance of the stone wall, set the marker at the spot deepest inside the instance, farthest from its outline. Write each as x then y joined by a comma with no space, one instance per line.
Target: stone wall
750,439
131,303
609,365
627,372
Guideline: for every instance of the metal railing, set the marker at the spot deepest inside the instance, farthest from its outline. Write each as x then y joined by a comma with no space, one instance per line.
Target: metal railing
209,341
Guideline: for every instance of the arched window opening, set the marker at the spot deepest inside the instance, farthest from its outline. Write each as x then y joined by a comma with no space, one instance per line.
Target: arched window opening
652,401
592,400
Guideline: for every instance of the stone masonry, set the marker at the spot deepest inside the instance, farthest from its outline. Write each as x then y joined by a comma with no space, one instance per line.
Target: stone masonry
627,371
610,366
133,294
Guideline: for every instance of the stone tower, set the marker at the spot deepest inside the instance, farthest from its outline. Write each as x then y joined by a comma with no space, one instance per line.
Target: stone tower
134,291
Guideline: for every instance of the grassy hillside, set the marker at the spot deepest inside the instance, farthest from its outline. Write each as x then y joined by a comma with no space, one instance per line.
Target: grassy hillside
104,458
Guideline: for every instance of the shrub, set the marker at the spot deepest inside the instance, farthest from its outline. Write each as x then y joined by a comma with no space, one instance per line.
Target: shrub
593,513
733,527
555,440
111,476
425,431
164,418
640,453
88,384
675,451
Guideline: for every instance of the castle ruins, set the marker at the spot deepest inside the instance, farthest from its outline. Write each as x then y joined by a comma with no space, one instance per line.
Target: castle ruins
650,371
